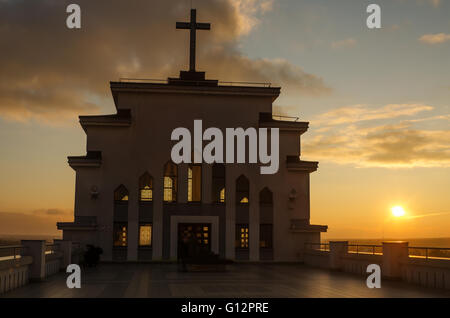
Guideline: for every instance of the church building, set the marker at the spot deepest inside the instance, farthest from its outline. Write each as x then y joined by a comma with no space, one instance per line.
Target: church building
136,204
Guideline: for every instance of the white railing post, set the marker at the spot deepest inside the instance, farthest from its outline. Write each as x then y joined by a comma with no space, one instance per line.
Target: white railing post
337,250
65,247
394,255
35,249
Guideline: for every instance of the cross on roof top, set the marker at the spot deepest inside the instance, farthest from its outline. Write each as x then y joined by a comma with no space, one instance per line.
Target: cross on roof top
193,26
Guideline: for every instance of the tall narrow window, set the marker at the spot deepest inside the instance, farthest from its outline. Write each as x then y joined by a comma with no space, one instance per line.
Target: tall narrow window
266,197
145,235
218,182
120,234
146,188
266,235
170,182
121,194
242,190
195,183
242,237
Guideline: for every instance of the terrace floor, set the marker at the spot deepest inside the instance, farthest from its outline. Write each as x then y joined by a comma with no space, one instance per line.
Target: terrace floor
241,280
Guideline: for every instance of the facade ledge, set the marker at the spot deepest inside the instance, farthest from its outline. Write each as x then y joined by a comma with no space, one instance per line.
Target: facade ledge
303,226
72,226
85,223
93,159
163,88
121,119
266,120
293,163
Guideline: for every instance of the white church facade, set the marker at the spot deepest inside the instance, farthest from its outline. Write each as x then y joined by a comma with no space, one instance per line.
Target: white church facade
136,204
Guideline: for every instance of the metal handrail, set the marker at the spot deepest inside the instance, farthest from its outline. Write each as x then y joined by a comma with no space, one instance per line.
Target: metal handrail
165,81
326,246
14,249
263,84
50,248
357,252
427,252
10,246
143,80
295,119
373,248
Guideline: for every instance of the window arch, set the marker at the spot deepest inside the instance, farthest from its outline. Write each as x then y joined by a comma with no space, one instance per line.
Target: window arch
121,194
266,196
146,188
242,190
170,182
218,182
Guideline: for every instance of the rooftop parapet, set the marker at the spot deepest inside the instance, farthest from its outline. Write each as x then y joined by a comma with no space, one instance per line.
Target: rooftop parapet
284,123
91,159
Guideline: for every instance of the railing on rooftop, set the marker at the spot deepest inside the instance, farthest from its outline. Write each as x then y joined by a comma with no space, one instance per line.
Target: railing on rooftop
325,247
51,248
9,252
285,118
429,252
165,81
365,249
143,80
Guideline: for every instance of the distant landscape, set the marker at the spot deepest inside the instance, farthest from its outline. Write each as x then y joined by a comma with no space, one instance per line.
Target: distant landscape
15,239
413,242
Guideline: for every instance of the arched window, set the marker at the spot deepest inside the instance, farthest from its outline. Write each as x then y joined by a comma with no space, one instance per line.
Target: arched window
194,183
266,225
121,194
265,196
218,182
170,182
242,190
146,187
120,234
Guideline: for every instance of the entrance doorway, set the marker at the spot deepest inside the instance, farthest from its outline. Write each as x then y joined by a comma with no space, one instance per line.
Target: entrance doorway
197,235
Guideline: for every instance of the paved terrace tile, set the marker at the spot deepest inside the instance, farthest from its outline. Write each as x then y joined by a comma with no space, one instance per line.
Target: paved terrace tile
241,280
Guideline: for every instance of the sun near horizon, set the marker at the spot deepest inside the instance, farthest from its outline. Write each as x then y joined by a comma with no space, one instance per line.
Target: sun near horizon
398,211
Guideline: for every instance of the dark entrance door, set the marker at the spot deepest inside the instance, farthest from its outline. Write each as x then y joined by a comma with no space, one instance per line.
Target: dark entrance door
196,235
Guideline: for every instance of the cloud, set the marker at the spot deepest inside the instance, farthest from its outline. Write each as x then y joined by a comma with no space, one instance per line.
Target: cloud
53,212
435,3
350,42
433,39
50,73
343,137
30,223
360,113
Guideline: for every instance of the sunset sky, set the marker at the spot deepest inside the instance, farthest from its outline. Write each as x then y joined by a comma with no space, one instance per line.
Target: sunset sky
378,101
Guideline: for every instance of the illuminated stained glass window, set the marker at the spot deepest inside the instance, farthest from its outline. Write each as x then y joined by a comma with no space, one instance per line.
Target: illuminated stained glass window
242,190
145,235
120,234
121,194
242,236
194,183
170,182
218,182
146,187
